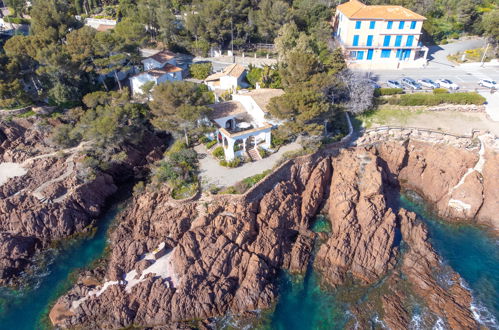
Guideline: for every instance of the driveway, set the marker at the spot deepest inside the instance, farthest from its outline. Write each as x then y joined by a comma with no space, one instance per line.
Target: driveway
437,54
213,174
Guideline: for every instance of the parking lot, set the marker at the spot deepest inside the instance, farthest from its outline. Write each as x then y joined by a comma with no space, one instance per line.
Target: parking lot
466,77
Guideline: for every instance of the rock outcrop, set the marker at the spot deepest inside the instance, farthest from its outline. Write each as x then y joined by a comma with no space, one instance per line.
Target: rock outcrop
50,201
172,262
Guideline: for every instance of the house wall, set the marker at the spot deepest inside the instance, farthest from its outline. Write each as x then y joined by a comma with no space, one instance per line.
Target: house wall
228,82
150,63
262,135
137,82
251,107
378,51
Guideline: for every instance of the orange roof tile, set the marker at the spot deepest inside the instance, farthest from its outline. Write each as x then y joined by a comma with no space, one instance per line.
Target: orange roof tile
233,70
357,10
163,56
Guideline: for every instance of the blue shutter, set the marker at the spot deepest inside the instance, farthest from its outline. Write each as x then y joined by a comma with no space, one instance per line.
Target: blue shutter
398,41
413,25
357,25
360,55
386,42
401,25
385,53
356,40
369,54
369,41
372,24
399,54
410,40
389,25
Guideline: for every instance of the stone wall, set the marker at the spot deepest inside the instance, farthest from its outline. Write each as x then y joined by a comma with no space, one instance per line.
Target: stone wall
14,112
381,134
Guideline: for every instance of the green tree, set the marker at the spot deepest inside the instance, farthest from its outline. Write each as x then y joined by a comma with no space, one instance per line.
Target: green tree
17,6
200,70
179,106
147,89
491,27
299,68
270,17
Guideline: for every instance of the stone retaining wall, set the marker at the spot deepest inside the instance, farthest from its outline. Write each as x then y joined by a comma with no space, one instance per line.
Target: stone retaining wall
14,112
381,134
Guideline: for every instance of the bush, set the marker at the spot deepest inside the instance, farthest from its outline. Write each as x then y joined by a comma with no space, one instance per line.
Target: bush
263,153
210,144
219,153
176,147
200,70
436,99
440,91
204,139
387,91
139,188
233,163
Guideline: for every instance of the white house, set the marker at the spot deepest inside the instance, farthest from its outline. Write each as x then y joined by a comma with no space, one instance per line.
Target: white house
382,37
159,60
229,79
242,124
159,68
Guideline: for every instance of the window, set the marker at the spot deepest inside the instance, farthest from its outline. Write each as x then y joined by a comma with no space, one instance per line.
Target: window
389,25
360,55
353,54
357,25
356,40
398,41
401,25
385,53
413,25
369,41
410,40
372,24
370,54
386,42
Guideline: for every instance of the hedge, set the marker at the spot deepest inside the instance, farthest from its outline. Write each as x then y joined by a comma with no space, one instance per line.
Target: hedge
440,91
436,99
388,91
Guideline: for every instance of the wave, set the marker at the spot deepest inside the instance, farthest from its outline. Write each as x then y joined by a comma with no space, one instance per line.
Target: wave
481,314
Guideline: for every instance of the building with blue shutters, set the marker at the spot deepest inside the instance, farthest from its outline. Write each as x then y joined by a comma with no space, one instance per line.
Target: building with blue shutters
379,36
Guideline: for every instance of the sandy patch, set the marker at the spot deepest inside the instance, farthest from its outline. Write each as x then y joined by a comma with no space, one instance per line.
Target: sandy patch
10,170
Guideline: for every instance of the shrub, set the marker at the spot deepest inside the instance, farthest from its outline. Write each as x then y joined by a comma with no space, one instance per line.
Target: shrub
232,163
436,99
263,153
200,70
440,91
210,144
139,188
203,139
176,147
219,152
387,91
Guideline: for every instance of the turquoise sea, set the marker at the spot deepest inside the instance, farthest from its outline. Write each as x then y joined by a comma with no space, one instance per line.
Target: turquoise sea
303,305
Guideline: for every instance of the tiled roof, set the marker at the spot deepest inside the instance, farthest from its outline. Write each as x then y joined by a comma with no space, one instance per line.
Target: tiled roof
104,27
163,56
226,109
233,70
161,71
357,10
262,96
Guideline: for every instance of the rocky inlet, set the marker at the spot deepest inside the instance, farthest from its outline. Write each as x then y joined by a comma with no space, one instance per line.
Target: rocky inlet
174,262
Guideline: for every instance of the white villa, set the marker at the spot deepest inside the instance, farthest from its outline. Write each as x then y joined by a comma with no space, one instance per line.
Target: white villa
160,67
242,125
381,37
229,79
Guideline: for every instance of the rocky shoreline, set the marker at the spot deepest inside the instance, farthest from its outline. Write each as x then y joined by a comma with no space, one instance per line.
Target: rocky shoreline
175,262
48,200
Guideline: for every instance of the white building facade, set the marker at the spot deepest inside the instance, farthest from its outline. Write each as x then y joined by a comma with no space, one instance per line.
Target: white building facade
243,125
229,79
379,36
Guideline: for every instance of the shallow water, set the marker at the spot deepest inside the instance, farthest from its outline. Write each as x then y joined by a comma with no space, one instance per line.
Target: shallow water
25,309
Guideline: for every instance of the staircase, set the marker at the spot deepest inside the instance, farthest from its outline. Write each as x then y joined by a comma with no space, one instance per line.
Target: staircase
254,154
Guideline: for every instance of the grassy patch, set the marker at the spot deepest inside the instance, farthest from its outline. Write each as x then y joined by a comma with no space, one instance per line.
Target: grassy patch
244,185
382,116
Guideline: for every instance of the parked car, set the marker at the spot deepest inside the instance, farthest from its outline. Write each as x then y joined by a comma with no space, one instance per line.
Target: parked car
488,83
428,83
374,84
446,83
410,83
394,84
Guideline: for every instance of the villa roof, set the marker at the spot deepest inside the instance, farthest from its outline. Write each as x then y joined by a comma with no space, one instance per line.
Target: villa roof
105,27
233,70
158,72
262,96
163,56
226,109
357,10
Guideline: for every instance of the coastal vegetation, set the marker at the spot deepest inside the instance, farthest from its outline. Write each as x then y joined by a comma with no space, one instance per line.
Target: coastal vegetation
418,99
